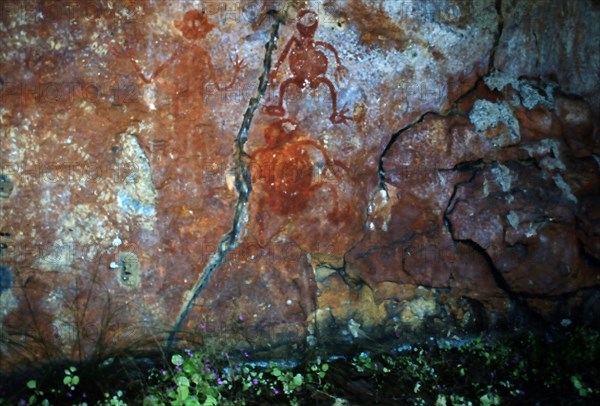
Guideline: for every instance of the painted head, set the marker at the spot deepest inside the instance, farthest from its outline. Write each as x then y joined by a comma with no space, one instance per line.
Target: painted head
195,25
308,21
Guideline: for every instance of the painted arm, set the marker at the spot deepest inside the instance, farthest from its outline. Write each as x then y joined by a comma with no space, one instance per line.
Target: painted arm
331,48
340,70
166,63
140,72
238,65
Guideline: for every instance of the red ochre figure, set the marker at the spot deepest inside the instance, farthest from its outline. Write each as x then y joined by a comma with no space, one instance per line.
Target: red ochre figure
308,66
284,173
195,25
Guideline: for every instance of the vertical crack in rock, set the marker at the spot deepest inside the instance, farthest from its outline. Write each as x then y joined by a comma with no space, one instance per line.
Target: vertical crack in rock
499,31
521,312
243,186
496,43
395,136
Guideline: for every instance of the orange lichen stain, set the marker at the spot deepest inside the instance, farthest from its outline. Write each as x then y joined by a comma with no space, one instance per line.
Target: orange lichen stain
308,66
377,28
289,170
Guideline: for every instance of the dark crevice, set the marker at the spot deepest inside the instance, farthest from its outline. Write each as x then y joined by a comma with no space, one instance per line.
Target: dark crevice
499,31
351,279
242,184
395,136
522,313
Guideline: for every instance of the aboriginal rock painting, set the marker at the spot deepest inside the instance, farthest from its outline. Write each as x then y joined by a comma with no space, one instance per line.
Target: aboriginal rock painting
195,78
181,88
308,66
287,172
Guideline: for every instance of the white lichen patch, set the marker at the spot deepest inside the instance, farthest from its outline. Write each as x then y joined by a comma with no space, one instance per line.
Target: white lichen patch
8,303
136,194
551,164
544,147
513,219
531,94
565,188
81,236
417,309
486,114
503,177
354,328
486,188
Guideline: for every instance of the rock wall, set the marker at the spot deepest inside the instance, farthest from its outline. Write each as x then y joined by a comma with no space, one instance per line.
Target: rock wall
314,173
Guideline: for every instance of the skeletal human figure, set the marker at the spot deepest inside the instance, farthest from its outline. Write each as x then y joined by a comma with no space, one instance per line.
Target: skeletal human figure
308,65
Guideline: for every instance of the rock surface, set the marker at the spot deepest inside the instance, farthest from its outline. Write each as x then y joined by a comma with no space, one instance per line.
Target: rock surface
276,174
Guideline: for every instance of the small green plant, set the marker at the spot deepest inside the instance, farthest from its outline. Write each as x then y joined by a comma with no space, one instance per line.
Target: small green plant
37,394
363,362
193,381
71,380
581,388
486,371
490,399
114,400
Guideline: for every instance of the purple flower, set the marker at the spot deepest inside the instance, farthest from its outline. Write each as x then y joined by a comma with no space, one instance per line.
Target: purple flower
227,356
22,401
275,391
219,381
202,325
84,395
163,371
241,317
255,381
69,395
178,368
245,354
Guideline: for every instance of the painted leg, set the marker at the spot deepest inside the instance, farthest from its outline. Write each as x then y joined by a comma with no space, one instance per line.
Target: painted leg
278,110
336,117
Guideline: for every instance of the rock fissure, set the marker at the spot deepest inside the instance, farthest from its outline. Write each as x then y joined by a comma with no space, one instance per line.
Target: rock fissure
243,186
381,170
498,36
517,300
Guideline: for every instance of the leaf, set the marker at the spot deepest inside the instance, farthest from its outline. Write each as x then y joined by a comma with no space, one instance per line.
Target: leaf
183,381
67,380
177,360
276,372
192,402
298,380
32,384
325,367
75,380
196,379
210,401
183,392
73,369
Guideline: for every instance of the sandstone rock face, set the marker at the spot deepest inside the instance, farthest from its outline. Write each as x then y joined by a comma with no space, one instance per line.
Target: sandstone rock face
289,174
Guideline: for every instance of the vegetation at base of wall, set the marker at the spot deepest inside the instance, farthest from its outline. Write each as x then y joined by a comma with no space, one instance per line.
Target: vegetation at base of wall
486,370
